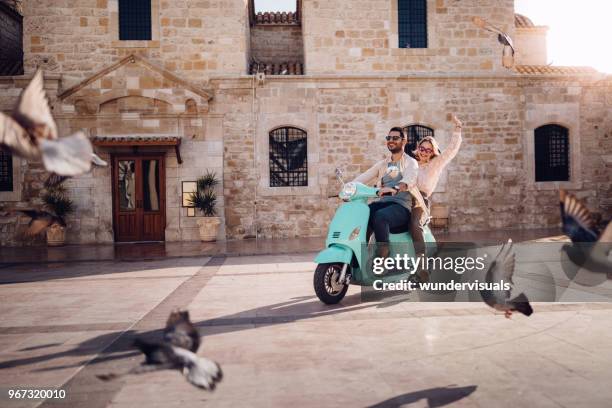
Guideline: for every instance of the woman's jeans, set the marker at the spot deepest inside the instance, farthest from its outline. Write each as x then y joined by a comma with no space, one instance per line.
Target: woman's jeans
417,225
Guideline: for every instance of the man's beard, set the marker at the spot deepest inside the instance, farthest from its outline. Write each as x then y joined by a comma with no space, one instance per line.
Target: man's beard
395,150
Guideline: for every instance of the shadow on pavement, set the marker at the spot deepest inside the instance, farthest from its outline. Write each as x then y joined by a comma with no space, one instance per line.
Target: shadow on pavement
120,342
436,397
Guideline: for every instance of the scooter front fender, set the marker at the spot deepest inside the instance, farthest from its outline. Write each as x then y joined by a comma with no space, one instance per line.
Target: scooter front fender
335,254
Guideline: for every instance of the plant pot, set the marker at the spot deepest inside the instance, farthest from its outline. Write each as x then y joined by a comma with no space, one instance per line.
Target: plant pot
56,235
209,228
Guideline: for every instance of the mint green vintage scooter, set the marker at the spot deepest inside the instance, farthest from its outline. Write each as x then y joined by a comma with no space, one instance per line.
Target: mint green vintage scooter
345,259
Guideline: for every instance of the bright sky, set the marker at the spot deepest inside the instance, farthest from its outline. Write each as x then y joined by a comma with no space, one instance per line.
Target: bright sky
579,31
275,5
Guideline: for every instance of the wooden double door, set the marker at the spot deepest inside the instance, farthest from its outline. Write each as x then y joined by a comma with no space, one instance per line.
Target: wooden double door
139,197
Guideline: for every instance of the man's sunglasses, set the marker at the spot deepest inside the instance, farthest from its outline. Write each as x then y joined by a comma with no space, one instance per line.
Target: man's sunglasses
394,138
425,149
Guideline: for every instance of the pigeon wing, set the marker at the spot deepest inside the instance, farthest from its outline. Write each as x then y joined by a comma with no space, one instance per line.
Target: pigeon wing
502,268
33,108
16,139
67,156
201,372
606,235
578,223
97,161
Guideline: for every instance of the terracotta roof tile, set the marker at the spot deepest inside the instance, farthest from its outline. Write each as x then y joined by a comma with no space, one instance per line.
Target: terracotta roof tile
552,70
136,138
276,17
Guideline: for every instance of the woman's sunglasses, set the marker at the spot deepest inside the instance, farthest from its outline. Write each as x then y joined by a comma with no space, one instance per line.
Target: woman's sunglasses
425,149
394,138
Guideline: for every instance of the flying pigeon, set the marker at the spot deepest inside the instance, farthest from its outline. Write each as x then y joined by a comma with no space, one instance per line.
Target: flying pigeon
590,248
55,179
30,132
176,352
503,38
502,268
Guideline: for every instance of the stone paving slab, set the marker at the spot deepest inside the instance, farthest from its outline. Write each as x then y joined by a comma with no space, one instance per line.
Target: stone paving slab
279,346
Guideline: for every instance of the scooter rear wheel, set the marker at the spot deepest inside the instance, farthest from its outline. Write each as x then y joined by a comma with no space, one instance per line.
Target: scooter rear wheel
326,284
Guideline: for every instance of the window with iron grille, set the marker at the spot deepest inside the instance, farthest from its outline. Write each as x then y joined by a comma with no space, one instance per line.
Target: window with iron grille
288,157
412,23
6,171
11,47
415,133
134,19
551,153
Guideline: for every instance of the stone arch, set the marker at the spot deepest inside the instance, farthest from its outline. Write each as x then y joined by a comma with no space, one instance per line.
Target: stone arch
82,107
135,103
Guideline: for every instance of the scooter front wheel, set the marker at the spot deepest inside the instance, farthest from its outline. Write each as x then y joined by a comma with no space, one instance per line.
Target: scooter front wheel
326,284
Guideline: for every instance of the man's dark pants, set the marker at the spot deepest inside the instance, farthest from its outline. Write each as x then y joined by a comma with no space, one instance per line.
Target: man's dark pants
385,216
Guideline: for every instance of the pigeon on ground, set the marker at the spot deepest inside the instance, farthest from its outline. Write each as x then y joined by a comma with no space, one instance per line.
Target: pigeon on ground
30,132
176,352
590,248
502,268
503,38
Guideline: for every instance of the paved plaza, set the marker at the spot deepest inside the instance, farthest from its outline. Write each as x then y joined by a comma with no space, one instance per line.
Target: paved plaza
63,323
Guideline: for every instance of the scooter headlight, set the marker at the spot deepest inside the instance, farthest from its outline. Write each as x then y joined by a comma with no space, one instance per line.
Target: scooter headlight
355,233
348,191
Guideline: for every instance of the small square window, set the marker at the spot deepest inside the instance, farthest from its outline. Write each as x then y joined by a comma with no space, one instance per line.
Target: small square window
135,20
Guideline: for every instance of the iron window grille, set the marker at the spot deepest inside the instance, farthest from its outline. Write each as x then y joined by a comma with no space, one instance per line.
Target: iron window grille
551,153
415,133
288,157
11,41
134,19
6,171
412,23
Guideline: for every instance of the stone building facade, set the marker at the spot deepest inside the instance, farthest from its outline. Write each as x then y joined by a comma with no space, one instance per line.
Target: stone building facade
205,77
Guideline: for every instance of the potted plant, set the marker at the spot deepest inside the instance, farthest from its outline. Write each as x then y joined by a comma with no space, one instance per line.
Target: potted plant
205,200
60,205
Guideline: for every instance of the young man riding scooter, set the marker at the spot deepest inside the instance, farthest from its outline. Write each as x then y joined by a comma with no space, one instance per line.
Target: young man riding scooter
396,178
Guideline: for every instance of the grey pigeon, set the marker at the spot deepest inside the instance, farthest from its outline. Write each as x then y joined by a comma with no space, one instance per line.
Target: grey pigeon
590,247
502,268
30,132
503,38
176,352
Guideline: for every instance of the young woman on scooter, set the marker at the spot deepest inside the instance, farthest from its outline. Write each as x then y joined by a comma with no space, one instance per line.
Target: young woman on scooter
431,161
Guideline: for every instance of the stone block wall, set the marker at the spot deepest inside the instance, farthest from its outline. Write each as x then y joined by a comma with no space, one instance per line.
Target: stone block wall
488,185
277,43
194,39
530,46
362,37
